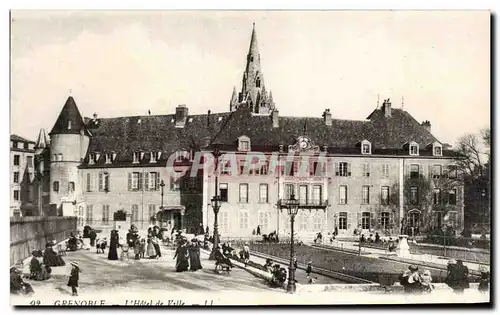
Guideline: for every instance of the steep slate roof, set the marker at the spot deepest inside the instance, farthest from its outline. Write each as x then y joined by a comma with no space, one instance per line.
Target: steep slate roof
387,135
15,137
68,113
126,135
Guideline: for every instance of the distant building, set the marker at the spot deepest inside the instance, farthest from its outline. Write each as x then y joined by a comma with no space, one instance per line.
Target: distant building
22,153
360,174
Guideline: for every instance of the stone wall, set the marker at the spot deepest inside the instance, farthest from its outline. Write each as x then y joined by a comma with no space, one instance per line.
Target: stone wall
30,233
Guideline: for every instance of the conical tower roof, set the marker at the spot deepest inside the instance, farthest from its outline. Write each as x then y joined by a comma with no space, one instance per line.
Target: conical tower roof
70,120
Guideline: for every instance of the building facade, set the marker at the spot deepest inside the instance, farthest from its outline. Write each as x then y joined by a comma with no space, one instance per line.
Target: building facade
22,154
385,173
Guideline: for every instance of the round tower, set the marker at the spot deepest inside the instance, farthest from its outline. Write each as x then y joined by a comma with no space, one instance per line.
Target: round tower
69,140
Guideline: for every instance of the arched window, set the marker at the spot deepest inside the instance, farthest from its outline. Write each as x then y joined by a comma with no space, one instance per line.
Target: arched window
257,83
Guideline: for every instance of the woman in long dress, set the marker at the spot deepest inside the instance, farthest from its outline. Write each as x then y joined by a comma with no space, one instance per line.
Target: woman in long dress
50,257
194,255
113,245
156,246
150,249
181,253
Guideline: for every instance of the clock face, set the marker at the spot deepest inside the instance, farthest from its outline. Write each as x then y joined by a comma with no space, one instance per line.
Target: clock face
303,144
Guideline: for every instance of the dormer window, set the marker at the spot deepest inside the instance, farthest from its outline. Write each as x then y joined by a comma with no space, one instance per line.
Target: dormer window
243,143
366,147
413,148
110,157
153,157
437,149
91,158
136,157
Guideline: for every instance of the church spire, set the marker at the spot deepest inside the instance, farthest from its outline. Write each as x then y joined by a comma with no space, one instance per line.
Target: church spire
233,104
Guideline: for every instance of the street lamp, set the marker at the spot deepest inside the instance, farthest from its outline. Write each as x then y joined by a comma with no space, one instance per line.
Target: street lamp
483,194
216,204
292,206
162,185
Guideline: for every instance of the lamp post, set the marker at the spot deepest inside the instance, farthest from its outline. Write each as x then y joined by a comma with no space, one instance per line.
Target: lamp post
162,185
292,206
483,194
216,204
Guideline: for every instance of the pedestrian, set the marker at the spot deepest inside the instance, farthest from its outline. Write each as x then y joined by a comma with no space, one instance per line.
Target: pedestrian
182,255
156,246
377,238
73,278
113,245
484,281
194,255
258,229
427,285
309,269
143,248
137,249
92,236
246,253
124,253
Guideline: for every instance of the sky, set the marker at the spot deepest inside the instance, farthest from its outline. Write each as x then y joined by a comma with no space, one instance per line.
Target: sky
125,63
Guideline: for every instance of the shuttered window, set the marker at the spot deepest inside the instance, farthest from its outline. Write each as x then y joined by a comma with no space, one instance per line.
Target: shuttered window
105,213
90,214
89,182
135,213
342,220
135,181
365,220
151,181
343,169
243,193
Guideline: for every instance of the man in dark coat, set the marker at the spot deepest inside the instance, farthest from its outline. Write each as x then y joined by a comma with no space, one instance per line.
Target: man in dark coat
113,245
92,236
457,278
50,257
194,255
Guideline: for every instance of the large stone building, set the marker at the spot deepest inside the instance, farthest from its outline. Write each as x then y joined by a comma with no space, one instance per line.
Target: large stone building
386,173
22,153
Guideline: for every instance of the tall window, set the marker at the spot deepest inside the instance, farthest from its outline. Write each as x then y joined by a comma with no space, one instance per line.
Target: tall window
16,195
289,168
29,161
224,222
135,181
263,193
385,220
71,186
385,195
365,220
303,194
437,196
343,194
151,181
452,217
16,160
264,220
437,171
385,170
80,216
89,182
366,170
105,213
135,213
317,194
343,221
244,145
414,170
243,193
104,181
55,186
303,221
452,197
225,167
318,221
264,169
244,220
414,195
343,169
289,191
366,194
223,192
16,177
151,211
90,214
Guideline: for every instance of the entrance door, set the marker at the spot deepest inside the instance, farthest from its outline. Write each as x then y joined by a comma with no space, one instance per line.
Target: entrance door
414,222
177,221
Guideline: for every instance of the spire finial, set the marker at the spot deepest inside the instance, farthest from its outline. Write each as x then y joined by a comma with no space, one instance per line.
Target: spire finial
70,91
402,102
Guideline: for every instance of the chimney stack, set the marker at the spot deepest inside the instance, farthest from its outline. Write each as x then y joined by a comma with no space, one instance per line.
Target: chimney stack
181,114
208,117
327,117
386,107
427,125
275,117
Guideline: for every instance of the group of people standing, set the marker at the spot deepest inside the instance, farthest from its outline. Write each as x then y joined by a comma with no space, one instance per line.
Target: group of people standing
415,282
187,255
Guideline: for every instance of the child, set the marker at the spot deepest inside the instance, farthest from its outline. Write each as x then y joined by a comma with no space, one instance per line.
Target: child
125,249
309,269
73,278
427,285
484,282
143,248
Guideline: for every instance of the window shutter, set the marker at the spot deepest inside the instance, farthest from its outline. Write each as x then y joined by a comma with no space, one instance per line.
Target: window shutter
391,220
129,181
379,220
146,181
349,220
337,167
108,182
358,214
157,180
140,181
407,170
348,169
430,171
372,220
100,182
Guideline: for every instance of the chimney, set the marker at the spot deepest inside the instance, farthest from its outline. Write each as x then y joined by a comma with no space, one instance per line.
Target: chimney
208,117
386,107
327,117
427,125
275,117
181,114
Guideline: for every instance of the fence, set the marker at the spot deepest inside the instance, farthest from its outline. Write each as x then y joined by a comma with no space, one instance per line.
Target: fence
31,233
